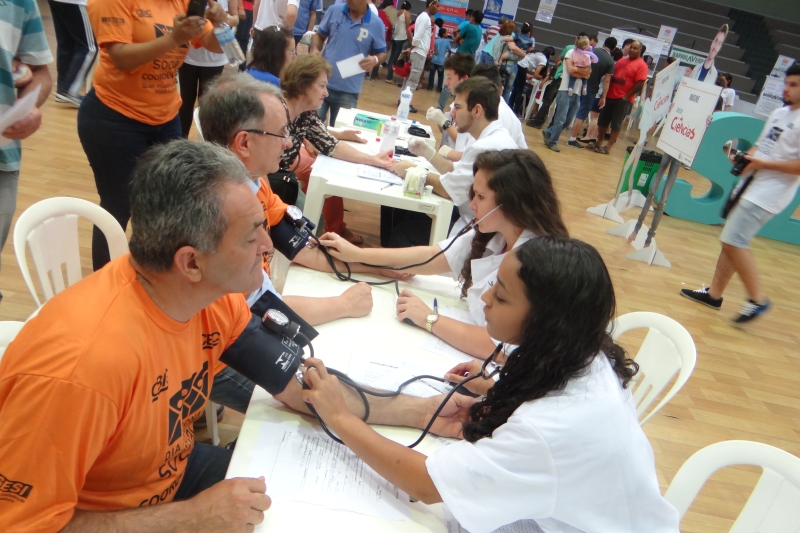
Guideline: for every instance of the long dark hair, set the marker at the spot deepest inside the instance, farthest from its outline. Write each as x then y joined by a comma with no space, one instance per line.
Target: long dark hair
522,185
269,50
571,304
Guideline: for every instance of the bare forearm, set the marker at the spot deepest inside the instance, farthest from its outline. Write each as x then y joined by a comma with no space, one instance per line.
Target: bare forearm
606,84
317,311
435,181
312,19
398,257
128,56
381,57
317,42
291,16
401,466
345,152
166,518
452,132
441,164
41,77
471,339
634,90
210,43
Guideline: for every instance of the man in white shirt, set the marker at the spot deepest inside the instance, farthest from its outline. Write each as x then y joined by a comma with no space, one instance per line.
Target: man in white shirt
282,13
475,111
421,44
508,119
769,184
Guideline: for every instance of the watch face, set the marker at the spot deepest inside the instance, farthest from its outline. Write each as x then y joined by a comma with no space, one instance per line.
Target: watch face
294,212
277,317
432,318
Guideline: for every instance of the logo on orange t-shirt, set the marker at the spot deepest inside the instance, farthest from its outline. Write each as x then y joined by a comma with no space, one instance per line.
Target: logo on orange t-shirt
13,490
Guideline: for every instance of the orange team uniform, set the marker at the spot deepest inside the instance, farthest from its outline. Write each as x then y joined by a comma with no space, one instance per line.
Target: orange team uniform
98,394
148,93
274,209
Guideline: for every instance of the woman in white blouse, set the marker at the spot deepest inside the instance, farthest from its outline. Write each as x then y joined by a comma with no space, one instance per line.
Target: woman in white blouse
555,445
514,198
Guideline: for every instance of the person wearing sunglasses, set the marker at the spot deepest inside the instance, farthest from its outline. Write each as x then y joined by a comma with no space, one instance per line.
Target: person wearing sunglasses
554,444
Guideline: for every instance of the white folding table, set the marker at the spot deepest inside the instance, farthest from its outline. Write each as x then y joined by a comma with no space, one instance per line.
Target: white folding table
379,332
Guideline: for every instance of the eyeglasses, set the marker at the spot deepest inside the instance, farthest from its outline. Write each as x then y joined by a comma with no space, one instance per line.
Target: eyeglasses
292,52
285,135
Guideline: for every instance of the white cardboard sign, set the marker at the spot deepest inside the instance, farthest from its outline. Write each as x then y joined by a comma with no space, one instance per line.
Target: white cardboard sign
688,118
662,91
667,33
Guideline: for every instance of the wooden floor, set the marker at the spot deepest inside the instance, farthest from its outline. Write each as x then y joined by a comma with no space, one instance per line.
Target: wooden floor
746,384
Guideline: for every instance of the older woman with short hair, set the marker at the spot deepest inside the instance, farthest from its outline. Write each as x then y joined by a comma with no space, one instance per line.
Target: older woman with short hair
304,82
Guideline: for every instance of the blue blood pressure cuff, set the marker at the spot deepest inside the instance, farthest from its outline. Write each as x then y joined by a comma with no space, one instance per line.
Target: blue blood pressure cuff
267,358
292,233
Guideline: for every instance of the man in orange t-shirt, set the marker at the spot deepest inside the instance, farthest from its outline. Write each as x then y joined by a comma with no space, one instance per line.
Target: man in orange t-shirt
98,393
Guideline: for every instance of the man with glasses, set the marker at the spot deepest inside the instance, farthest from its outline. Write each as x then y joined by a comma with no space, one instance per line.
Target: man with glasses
248,117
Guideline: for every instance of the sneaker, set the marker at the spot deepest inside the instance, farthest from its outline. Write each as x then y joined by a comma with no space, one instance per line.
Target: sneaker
702,296
64,98
575,144
546,136
554,147
411,108
751,310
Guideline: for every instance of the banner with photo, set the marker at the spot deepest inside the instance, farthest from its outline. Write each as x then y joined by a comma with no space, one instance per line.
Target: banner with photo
452,12
494,9
771,96
687,59
546,11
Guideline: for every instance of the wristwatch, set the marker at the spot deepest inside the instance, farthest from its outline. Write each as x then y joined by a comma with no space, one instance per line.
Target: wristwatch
429,321
447,124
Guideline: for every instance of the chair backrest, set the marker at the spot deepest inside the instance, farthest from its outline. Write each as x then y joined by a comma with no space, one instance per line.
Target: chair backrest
542,87
774,505
196,119
8,330
667,349
50,228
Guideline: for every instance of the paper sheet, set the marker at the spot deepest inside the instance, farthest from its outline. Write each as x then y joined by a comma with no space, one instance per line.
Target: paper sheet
302,464
387,373
350,67
378,174
438,346
17,112
337,166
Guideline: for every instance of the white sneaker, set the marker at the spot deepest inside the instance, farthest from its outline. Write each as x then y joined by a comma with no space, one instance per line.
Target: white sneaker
64,98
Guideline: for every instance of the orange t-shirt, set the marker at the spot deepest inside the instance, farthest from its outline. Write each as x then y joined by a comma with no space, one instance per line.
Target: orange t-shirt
274,209
148,93
98,394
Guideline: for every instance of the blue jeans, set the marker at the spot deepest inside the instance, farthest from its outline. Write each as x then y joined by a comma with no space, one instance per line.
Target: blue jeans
443,98
9,179
566,109
206,467
511,76
113,144
335,101
486,57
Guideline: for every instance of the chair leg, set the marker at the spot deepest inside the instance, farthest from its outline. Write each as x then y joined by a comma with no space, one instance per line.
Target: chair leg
211,422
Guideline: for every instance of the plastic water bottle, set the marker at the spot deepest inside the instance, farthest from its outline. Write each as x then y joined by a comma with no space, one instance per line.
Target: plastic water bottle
229,44
405,103
390,132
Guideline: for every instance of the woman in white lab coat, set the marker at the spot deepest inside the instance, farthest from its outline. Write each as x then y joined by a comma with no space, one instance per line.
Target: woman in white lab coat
554,445
514,200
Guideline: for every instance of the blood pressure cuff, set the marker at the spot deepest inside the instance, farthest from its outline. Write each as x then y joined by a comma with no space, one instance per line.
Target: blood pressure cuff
269,300
287,238
265,357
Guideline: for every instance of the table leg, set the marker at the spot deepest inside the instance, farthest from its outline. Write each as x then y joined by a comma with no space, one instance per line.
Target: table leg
440,225
315,196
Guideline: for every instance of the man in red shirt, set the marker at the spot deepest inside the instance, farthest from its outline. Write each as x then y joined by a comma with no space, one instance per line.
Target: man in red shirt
630,75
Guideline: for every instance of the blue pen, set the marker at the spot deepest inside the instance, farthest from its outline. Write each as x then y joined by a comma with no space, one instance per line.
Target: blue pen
435,306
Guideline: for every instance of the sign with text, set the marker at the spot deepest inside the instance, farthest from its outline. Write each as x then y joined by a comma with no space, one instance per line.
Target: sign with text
667,33
687,59
771,96
494,9
688,119
662,91
452,12
546,11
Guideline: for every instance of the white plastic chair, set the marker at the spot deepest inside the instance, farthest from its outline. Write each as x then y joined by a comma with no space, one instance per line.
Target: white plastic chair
667,349
529,108
50,228
8,331
196,120
774,505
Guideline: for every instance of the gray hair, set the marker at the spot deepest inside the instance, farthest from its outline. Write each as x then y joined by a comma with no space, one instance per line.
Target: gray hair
231,104
176,201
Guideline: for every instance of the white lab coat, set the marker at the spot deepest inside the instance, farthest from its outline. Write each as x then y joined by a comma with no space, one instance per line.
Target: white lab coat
459,182
711,76
571,462
510,122
484,269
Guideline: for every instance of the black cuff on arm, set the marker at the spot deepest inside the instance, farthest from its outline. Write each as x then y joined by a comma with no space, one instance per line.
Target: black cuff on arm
268,359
